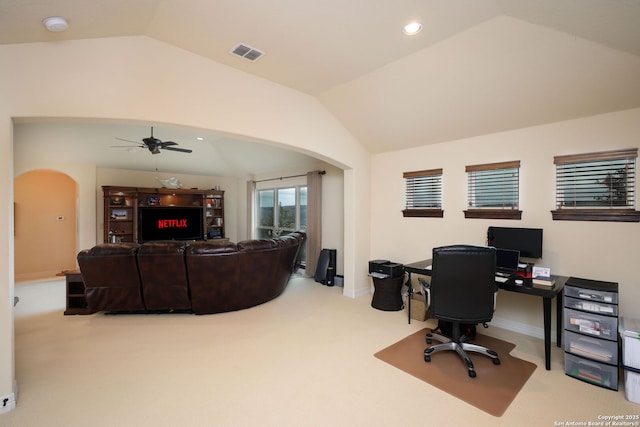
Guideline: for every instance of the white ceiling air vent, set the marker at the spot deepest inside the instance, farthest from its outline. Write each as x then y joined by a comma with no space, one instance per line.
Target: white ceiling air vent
246,52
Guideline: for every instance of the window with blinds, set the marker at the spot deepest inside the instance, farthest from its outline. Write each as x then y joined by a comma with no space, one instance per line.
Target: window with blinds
596,186
423,194
493,190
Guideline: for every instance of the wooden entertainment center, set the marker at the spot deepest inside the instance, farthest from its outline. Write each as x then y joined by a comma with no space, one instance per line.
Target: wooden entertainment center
121,205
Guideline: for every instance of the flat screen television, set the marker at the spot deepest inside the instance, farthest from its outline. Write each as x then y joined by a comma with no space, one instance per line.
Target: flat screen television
526,240
170,223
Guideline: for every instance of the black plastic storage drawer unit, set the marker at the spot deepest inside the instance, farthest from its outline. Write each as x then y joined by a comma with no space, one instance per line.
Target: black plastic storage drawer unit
591,331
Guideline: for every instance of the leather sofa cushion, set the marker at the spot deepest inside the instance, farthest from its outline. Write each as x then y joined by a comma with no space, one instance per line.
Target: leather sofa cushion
164,275
211,247
112,249
111,277
256,245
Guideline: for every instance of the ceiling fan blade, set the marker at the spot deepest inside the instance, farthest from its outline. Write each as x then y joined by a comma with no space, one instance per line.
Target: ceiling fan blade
182,150
127,146
165,143
128,140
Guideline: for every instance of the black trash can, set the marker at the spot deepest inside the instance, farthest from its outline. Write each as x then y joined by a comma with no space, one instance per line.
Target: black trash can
387,295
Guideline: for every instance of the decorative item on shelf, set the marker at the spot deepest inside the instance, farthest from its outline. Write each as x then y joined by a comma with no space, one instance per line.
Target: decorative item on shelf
153,201
119,214
117,200
214,234
170,182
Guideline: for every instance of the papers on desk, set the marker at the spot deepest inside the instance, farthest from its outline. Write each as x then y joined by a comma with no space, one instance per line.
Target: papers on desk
429,267
542,277
544,281
379,275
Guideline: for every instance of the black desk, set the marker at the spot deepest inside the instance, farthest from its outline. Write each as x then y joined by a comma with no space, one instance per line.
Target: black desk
547,295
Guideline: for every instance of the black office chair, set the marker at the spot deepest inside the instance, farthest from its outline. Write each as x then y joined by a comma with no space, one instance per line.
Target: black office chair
462,292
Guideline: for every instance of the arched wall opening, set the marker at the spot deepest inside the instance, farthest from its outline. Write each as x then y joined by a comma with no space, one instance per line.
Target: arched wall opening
45,231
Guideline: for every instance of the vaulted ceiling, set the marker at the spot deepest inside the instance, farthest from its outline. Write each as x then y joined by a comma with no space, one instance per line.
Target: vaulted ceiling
477,67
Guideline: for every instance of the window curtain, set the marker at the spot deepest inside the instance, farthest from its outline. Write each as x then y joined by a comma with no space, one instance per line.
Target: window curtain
314,221
251,197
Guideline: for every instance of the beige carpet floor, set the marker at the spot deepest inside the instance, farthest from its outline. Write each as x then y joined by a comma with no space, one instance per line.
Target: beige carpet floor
304,359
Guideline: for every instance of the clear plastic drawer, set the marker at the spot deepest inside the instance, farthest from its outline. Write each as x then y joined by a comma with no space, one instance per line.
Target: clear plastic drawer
591,372
593,348
591,324
591,295
591,306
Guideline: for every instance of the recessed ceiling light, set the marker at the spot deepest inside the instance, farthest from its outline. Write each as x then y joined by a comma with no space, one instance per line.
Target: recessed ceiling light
412,28
200,138
55,24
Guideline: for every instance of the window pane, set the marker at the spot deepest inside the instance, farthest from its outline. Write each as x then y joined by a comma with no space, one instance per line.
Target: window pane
423,192
493,189
265,233
266,204
287,208
596,184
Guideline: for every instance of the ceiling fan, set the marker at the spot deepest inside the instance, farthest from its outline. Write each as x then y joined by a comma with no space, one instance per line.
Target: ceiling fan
155,145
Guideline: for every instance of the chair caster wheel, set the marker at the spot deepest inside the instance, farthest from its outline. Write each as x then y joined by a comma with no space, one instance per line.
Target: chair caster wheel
429,341
427,358
472,374
496,361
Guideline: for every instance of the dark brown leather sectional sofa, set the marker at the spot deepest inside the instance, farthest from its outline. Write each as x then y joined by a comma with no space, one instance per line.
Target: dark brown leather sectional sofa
201,277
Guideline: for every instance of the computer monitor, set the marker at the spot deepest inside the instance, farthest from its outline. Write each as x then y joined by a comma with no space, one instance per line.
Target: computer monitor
528,241
507,261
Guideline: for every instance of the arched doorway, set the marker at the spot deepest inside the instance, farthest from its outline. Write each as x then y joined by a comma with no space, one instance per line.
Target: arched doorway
45,224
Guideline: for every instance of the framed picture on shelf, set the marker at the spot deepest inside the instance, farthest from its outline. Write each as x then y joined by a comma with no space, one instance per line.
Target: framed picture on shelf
119,214
153,201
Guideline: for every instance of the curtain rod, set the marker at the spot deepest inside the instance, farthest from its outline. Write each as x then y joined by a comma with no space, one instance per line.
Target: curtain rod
285,177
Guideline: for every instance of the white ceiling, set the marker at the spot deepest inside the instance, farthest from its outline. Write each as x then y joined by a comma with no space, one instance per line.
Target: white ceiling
478,66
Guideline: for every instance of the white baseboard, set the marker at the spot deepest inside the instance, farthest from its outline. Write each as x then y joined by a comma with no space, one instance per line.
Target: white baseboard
8,402
357,293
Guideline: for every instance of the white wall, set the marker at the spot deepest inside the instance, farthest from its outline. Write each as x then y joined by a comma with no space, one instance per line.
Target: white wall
596,250
110,79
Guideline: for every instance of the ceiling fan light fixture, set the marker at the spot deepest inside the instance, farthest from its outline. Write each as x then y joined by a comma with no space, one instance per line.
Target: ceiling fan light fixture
412,28
55,24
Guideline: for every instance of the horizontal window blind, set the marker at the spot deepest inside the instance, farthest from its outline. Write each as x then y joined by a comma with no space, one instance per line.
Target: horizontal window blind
493,186
423,189
596,180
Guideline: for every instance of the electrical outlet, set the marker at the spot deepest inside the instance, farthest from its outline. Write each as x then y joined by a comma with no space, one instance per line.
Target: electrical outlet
7,403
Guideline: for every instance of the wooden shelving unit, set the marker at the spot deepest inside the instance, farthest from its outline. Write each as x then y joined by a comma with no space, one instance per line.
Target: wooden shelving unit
214,215
121,209
76,294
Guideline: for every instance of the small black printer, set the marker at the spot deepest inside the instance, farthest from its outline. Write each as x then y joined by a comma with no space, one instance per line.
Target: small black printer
386,267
